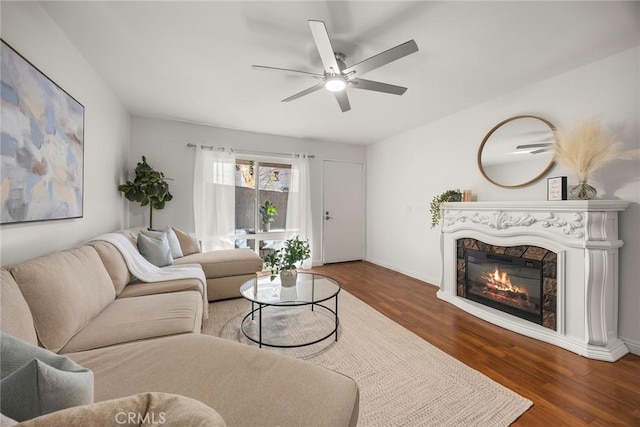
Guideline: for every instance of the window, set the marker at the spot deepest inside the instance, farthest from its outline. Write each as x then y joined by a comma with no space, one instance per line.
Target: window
261,197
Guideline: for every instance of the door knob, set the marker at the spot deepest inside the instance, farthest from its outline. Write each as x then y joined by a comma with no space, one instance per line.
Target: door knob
326,216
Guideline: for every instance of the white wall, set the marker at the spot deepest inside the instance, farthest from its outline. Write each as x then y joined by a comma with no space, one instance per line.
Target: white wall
28,29
406,171
163,143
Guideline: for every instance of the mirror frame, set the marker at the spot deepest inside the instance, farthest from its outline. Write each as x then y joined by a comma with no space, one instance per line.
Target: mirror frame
495,128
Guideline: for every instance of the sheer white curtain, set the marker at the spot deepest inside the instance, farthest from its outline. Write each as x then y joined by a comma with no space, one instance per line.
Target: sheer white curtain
214,186
299,203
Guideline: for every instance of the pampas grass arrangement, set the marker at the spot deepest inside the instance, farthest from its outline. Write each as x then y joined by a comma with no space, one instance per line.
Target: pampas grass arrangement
588,148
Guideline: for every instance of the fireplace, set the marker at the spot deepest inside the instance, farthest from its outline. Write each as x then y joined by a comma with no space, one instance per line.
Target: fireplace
506,283
519,280
560,258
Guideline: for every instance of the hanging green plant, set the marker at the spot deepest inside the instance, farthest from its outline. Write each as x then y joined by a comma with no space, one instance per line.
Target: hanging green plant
148,188
437,201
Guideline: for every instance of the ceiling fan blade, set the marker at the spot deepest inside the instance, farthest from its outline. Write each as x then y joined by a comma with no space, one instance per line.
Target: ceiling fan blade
377,86
327,55
383,58
294,72
343,100
541,144
304,92
540,150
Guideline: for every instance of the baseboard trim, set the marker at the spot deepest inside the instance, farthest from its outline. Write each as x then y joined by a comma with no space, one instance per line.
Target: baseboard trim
633,347
411,273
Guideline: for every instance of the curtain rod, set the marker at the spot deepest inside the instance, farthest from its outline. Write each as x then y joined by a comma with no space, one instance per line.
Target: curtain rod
237,150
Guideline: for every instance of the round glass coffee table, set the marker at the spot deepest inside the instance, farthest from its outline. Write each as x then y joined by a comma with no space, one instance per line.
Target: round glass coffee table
311,290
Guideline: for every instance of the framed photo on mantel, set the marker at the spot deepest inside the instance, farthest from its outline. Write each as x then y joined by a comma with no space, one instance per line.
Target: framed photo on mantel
557,188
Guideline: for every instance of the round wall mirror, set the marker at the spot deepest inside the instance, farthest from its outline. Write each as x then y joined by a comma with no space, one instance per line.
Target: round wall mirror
517,151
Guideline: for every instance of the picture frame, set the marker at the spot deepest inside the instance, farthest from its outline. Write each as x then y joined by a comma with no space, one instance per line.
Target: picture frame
557,188
42,145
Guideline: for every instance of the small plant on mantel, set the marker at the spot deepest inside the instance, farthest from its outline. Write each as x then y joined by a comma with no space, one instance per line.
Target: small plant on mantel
437,201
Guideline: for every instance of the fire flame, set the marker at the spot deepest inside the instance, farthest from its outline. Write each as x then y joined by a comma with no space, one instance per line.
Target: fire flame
500,281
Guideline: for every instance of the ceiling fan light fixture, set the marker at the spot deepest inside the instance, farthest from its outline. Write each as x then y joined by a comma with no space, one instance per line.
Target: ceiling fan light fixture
335,83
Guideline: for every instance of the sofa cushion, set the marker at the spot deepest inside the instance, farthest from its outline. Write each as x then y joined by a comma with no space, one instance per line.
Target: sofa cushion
15,315
137,288
231,377
6,421
188,242
64,290
36,381
114,263
140,409
140,318
225,262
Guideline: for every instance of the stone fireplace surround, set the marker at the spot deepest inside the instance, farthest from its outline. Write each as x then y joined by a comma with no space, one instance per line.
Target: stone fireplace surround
583,235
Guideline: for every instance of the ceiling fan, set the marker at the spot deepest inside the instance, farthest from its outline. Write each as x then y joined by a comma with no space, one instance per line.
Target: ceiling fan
337,76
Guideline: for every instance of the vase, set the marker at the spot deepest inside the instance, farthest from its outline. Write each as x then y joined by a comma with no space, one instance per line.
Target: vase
266,226
288,278
583,191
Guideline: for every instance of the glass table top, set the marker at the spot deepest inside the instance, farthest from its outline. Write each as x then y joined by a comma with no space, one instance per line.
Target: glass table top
310,288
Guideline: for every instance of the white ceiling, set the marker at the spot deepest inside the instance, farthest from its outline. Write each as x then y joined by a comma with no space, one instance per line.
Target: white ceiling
191,61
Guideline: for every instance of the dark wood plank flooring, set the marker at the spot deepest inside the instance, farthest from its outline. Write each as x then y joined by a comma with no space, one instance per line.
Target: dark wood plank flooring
566,389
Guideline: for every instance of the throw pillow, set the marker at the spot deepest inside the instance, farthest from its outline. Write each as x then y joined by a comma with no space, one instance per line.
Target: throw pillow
174,243
188,242
156,250
36,381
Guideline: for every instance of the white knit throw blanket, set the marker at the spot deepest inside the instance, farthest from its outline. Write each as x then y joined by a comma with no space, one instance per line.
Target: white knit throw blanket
147,272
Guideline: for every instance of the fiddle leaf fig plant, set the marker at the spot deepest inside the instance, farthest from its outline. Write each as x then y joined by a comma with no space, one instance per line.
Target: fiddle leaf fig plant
149,187
437,201
293,252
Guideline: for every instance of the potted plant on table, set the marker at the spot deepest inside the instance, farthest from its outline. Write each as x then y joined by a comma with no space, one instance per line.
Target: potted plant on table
148,188
284,260
437,201
268,214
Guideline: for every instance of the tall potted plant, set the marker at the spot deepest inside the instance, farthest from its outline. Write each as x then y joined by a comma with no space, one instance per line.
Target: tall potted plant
284,260
268,213
149,187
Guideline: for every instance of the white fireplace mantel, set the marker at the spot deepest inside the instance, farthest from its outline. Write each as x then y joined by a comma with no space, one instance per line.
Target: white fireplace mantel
583,234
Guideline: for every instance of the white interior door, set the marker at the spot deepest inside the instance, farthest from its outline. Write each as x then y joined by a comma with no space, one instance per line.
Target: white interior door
343,211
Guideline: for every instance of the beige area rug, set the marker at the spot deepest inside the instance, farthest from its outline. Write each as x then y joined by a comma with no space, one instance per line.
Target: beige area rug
403,380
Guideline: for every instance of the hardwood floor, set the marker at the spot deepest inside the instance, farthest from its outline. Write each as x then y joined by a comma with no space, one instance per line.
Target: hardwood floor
566,389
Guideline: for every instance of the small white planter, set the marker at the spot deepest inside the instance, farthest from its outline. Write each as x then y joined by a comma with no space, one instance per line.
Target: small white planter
288,278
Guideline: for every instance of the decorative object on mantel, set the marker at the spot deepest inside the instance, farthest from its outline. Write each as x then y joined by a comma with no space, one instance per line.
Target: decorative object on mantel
148,188
467,196
437,201
284,260
557,188
584,150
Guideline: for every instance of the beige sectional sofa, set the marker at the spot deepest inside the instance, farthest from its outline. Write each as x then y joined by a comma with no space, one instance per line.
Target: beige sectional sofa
141,338
225,270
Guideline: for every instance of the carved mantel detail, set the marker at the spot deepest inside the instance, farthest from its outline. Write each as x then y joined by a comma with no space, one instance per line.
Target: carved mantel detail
501,220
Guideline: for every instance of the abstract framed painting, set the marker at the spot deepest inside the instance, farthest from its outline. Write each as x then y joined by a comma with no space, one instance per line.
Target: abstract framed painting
41,145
